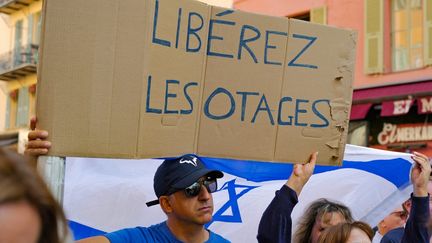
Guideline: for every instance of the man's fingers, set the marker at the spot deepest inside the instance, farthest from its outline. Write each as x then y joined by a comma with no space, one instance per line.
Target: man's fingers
36,144
421,155
36,152
37,134
313,158
422,162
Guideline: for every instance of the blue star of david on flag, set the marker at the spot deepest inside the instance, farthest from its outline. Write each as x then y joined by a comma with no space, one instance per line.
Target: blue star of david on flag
232,203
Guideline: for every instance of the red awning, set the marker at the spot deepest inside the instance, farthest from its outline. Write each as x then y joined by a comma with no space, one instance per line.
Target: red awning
395,99
401,91
359,111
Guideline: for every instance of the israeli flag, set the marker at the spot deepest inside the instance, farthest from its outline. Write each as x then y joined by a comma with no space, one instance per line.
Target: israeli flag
104,195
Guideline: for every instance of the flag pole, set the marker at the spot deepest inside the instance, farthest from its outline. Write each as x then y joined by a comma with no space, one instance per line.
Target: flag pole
52,170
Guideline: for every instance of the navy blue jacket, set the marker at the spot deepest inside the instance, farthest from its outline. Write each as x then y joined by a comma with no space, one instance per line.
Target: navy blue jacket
415,230
276,224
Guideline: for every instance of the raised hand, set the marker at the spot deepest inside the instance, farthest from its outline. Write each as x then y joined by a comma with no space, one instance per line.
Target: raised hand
420,174
301,174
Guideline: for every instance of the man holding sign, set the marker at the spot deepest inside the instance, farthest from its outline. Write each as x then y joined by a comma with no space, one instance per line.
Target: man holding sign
183,186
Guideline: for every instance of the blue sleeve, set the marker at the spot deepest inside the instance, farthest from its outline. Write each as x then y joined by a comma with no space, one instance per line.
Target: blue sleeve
416,227
215,238
275,224
393,236
123,236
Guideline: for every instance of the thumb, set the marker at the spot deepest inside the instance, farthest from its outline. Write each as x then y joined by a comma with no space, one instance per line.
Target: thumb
33,122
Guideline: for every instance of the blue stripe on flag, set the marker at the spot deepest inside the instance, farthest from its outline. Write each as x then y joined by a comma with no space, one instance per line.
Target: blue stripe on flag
393,170
81,231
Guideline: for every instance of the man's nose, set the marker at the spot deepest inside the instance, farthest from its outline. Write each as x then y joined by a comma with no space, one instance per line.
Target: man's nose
204,194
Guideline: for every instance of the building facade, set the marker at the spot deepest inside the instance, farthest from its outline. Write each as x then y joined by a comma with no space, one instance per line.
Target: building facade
20,35
392,100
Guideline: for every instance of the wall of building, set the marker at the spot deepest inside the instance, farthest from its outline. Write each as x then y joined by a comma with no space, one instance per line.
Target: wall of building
3,93
344,14
5,35
219,3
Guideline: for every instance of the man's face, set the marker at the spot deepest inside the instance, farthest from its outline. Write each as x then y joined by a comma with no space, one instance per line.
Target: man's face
197,209
322,223
395,219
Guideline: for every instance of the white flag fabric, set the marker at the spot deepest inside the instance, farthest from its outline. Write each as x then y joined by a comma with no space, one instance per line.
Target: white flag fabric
104,195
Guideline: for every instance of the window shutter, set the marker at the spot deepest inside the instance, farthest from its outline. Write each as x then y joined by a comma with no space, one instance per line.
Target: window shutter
427,7
8,108
30,29
373,59
29,38
18,42
38,18
23,107
318,15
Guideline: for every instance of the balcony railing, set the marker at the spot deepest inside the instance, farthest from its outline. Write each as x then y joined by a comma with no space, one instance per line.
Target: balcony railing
18,63
11,6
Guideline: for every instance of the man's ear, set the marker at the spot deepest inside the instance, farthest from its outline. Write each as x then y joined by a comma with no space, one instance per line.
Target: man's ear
165,204
381,226
407,205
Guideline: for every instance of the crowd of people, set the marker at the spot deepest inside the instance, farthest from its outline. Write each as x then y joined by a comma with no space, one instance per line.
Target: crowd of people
183,187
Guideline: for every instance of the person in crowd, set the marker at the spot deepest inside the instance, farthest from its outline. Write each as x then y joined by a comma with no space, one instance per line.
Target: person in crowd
183,188
28,211
276,223
419,206
354,232
320,215
395,219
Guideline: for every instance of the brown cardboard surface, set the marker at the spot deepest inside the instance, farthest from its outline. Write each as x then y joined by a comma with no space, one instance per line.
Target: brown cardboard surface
332,53
243,132
156,78
170,69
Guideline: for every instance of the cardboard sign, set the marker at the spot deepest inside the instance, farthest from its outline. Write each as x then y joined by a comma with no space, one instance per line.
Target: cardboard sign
157,78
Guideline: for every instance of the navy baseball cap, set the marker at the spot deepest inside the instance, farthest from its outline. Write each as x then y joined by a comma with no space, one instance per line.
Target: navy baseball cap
178,173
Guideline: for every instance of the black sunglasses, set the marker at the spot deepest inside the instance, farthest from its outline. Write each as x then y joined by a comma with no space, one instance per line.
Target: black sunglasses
193,190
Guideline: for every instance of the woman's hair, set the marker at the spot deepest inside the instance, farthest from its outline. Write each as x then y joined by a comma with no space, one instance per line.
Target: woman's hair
340,233
19,182
317,209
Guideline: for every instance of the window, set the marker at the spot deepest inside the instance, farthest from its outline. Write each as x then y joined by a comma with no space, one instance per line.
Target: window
304,17
316,15
407,34
18,42
11,109
358,133
23,108
37,28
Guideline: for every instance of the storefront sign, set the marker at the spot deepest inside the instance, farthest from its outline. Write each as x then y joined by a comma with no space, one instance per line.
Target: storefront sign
396,107
424,105
393,133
